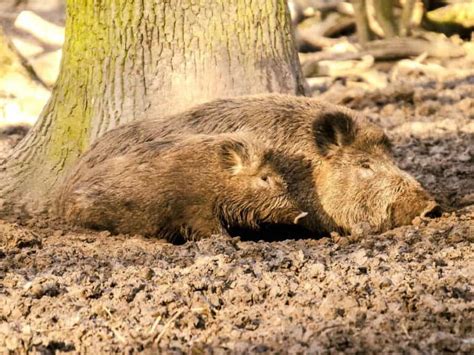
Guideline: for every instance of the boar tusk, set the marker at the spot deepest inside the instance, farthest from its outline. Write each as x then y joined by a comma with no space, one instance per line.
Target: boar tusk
298,217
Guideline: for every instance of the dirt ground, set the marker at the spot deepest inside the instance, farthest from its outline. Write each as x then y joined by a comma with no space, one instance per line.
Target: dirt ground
409,290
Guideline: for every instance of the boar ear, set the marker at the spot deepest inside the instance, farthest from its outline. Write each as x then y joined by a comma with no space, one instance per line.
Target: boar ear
333,129
234,156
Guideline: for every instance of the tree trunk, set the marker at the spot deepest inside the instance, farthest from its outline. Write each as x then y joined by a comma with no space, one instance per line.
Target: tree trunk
364,33
126,60
405,20
385,18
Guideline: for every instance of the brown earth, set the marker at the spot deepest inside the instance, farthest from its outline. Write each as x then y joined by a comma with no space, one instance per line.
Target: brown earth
408,290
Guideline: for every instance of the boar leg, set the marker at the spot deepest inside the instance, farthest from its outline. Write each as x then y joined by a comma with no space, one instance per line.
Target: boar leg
204,229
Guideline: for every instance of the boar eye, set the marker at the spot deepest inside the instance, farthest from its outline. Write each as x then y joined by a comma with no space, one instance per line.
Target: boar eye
365,165
264,181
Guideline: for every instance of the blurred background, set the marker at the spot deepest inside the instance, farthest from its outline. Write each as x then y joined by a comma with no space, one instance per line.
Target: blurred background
347,48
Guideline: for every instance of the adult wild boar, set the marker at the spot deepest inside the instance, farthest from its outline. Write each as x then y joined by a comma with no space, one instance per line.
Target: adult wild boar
351,178
186,187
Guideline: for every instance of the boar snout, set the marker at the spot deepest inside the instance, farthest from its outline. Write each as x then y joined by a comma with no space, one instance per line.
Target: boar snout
414,204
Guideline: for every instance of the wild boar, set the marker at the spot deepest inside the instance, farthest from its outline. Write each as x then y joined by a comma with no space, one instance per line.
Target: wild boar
352,178
179,188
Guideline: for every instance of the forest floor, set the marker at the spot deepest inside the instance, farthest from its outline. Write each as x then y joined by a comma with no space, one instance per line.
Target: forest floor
409,290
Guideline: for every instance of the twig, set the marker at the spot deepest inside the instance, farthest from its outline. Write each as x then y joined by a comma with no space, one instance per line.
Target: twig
107,311
155,324
117,334
114,330
167,325
405,330
323,329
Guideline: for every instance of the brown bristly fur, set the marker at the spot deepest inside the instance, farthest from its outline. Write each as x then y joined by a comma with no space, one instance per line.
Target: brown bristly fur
182,187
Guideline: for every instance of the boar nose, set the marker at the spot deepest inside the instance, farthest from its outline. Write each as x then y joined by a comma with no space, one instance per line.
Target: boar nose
432,211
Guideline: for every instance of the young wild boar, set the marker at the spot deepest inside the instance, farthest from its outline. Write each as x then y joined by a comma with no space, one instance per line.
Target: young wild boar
179,188
352,178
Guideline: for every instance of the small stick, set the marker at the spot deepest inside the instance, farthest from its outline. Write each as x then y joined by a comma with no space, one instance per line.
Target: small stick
167,325
405,330
112,328
117,334
155,324
107,311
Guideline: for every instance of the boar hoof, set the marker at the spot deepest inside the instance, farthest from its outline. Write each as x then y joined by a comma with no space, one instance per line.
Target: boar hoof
361,229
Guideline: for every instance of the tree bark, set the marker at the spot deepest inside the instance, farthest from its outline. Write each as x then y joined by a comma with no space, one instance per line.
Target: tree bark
126,60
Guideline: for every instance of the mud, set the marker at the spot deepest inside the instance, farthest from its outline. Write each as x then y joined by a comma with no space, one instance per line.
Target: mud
409,290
